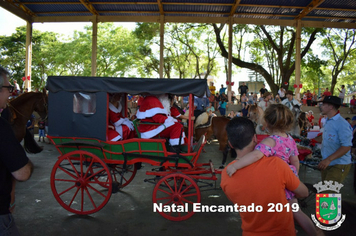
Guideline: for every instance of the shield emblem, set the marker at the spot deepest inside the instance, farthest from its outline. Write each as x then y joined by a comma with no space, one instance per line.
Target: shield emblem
328,208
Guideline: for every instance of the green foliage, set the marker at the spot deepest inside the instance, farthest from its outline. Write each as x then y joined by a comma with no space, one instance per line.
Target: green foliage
117,53
13,54
340,49
189,50
312,75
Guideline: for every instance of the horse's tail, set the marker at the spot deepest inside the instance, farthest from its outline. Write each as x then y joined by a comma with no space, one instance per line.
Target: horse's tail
30,144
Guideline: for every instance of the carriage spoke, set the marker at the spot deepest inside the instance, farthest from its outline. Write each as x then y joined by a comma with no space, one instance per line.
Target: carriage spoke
96,173
82,198
75,169
100,193
190,195
66,180
89,168
165,204
185,190
185,200
163,198
75,194
89,195
105,184
163,191
66,190
175,184
165,181
68,173
181,185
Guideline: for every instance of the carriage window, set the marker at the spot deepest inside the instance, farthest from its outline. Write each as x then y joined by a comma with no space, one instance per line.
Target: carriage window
84,103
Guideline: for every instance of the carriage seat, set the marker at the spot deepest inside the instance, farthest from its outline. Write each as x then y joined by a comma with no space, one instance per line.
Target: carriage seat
137,122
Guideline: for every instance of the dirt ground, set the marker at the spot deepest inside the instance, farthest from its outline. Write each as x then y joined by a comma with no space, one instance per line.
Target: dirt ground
129,212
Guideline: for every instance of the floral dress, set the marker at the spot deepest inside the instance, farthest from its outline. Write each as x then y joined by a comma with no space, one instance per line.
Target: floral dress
284,149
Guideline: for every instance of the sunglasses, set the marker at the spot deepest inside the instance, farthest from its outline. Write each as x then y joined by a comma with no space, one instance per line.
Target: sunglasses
10,88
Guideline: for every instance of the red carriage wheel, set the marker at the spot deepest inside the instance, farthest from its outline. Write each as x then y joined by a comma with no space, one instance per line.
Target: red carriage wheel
176,191
122,175
81,182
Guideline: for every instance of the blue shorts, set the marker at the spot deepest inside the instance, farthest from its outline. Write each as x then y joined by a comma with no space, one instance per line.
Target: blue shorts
8,226
41,133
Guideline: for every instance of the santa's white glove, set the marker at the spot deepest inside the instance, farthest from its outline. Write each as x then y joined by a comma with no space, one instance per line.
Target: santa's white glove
129,124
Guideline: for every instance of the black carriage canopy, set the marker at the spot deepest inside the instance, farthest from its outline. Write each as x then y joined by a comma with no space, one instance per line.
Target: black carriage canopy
77,106
133,86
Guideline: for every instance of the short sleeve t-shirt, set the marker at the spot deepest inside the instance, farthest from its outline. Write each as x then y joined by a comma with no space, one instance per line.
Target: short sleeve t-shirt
212,89
276,176
263,90
243,89
12,158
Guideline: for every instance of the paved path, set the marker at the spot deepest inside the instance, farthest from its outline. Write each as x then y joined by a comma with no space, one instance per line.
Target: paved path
129,212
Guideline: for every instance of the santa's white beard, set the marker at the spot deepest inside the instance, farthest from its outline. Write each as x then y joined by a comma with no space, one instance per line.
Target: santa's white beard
166,103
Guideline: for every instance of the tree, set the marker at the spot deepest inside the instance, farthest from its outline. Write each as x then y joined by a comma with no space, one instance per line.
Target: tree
340,48
311,72
13,54
52,55
276,51
189,49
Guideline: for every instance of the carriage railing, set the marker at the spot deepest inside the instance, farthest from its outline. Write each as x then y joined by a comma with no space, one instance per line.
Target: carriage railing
131,151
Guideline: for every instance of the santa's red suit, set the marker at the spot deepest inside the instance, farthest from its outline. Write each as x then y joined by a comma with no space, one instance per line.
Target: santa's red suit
175,113
123,126
152,111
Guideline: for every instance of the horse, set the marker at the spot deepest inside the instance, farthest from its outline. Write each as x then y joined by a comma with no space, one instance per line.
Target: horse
20,110
301,123
217,127
255,114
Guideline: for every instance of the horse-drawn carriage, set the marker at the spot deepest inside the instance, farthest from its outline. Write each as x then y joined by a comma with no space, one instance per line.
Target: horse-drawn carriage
90,168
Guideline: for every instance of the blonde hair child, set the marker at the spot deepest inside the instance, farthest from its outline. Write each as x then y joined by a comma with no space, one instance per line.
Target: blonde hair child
279,120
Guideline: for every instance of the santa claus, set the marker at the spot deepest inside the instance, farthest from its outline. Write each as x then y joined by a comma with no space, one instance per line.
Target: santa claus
157,110
119,127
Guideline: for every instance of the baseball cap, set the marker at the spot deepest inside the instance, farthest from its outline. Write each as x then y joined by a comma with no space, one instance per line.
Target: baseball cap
354,118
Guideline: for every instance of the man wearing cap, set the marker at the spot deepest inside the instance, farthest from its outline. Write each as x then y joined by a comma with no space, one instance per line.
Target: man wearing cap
267,96
290,102
336,144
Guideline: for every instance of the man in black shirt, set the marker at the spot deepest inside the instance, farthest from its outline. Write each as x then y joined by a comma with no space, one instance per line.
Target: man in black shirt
263,90
243,88
14,164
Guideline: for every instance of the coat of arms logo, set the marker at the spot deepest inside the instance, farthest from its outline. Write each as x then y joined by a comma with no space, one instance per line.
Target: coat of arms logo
328,206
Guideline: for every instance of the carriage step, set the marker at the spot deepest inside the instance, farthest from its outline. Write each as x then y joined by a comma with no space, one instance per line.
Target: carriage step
115,187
